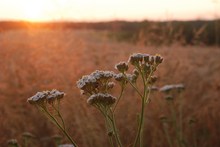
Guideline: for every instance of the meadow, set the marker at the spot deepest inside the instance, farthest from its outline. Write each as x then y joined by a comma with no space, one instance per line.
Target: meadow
38,59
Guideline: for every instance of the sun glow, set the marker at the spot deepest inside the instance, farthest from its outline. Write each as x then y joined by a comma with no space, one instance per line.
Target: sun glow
97,10
35,10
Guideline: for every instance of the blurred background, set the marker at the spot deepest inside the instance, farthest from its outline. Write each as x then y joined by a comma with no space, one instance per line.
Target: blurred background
50,44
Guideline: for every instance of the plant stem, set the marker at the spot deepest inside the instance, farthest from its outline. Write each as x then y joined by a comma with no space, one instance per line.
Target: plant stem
167,134
181,118
133,86
60,116
62,129
122,90
115,129
174,118
108,127
139,135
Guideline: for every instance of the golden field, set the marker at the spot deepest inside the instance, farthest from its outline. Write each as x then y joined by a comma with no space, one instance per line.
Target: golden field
33,60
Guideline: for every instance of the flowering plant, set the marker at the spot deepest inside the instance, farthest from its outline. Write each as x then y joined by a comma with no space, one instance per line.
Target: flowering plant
97,88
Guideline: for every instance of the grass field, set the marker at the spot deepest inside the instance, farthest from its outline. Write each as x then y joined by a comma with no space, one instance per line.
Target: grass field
40,59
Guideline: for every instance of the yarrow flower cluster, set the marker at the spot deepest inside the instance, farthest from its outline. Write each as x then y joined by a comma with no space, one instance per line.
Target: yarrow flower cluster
48,102
46,96
97,86
168,88
122,67
12,143
101,99
28,135
96,82
173,95
144,64
138,59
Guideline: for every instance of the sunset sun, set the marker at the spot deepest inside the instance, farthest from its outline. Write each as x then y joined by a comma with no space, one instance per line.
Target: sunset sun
35,11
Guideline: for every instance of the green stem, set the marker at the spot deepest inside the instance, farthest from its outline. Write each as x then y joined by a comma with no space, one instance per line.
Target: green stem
139,135
60,116
167,134
122,90
181,118
62,129
174,118
108,127
112,122
115,129
133,86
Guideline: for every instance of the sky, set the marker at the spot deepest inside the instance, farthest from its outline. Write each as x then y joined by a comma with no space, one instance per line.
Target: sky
105,10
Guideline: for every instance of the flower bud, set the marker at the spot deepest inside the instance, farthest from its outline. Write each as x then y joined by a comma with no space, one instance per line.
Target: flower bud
158,59
135,59
146,58
122,67
135,72
153,79
169,98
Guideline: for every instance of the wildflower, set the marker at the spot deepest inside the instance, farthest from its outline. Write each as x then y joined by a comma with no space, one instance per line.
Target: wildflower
12,143
146,69
57,137
99,74
153,79
55,95
154,88
119,77
169,98
163,118
102,99
110,133
28,135
122,67
192,121
38,97
179,87
110,85
136,59
95,82
133,78
85,82
46,96
167,88
135,72
158,59
146,58
151,61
